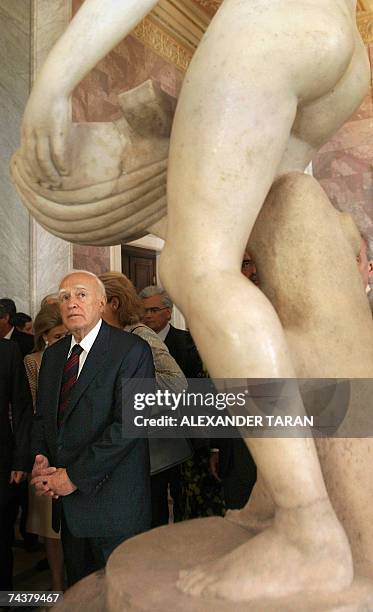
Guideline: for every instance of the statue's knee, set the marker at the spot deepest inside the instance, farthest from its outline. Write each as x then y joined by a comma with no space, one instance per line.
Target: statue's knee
177,276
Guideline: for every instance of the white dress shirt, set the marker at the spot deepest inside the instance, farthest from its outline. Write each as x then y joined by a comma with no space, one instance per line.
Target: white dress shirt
163,333
86,344
8,336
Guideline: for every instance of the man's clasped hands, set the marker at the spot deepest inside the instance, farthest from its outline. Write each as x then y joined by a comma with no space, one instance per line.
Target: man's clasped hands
50,481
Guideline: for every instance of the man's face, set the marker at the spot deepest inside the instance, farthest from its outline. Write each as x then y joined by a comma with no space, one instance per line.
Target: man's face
27,328
156,314
81,303
365,266
248,268
5,326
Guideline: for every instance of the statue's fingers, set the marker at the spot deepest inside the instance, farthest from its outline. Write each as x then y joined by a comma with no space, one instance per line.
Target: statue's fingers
43,156
29,156
59,152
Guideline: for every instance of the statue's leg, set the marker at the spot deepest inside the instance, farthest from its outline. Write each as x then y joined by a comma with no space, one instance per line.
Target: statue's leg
258,512
226,145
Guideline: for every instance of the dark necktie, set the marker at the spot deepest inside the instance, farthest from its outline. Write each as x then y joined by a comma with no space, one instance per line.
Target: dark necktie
69,376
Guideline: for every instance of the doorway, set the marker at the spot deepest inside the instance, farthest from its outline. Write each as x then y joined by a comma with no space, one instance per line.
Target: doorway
140,266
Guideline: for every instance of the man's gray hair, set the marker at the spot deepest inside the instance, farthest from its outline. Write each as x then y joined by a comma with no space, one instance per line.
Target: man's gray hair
152,290
99,282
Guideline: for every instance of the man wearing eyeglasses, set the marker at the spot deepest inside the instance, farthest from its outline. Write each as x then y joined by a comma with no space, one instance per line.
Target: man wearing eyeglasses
158,310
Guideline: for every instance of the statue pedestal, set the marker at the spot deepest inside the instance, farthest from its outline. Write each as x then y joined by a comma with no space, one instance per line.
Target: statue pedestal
141,576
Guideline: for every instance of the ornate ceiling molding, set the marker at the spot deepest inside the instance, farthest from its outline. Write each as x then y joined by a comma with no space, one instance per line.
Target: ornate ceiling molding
365,25
175,27
209,6
173,30
155,37
365,5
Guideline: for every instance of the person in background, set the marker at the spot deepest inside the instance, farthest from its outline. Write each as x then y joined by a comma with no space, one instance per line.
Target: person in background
23,323
14,447
158,310
49,329
199,494
248,268
25,343
365,264
10,332
124,309
51,298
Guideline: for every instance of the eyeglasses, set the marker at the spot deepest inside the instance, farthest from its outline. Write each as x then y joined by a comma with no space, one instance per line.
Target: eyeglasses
155,310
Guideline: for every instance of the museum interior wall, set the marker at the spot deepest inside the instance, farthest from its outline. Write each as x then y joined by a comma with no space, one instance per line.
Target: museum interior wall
15,20
33,261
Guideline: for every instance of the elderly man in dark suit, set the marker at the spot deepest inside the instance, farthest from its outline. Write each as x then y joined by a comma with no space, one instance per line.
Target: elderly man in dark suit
99,478
15,401
158,310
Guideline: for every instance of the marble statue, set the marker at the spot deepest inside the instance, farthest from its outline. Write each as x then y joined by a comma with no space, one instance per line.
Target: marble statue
270,83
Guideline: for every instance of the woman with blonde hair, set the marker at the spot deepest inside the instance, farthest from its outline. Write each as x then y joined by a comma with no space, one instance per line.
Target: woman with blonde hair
48,329
124,309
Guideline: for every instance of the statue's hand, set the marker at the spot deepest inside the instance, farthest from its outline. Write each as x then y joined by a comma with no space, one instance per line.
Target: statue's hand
45,129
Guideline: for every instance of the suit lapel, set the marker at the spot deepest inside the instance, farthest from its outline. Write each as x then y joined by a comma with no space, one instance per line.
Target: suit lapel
92,365
55,371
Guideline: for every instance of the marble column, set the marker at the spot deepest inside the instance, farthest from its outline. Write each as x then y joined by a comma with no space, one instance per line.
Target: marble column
15,20
50,257
32,260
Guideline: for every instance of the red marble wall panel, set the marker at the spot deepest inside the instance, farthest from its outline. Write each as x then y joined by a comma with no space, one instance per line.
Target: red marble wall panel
128,65
93,259
344,166
95,99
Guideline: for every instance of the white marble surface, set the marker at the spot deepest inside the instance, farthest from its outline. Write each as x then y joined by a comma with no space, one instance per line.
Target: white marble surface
51,257
51,260
15,19
32,261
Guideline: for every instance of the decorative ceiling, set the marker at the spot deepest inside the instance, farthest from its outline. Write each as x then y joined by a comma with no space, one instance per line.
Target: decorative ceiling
364,5
209,6
175,27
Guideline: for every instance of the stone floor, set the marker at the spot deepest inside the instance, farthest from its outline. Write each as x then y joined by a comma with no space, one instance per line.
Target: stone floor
27,576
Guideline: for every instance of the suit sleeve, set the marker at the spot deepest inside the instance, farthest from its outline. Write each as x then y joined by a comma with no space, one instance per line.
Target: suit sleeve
194,368
99,459
21,409
38,441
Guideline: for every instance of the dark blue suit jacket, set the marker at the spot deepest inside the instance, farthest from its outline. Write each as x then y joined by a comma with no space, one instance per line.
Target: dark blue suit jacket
110,470
14,392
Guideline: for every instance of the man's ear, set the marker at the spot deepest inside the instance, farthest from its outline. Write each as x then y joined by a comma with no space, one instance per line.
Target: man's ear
114,303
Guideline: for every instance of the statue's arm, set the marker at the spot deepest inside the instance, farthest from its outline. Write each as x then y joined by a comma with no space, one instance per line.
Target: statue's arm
97,27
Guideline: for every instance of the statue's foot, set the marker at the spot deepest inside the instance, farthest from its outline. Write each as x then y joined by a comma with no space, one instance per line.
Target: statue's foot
305,549
248,520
